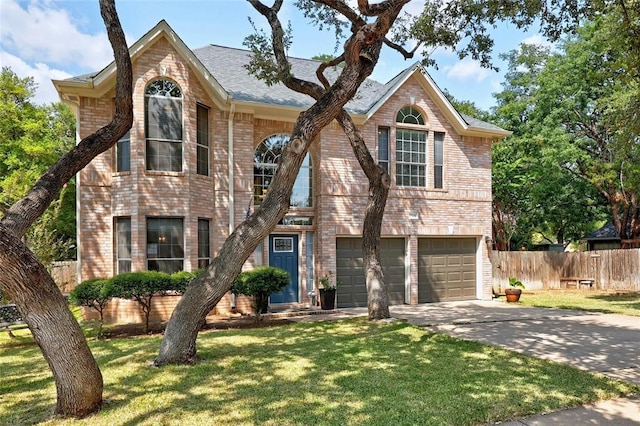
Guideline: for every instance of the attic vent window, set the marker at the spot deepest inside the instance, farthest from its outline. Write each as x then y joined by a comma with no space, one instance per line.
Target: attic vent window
410,115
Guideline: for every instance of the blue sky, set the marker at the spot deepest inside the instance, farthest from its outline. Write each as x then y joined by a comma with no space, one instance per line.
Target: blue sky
48,39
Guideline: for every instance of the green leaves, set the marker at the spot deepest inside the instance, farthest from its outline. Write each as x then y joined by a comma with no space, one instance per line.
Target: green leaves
34,138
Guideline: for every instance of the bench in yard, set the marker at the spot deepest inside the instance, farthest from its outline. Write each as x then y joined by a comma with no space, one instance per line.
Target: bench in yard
577,281
11,319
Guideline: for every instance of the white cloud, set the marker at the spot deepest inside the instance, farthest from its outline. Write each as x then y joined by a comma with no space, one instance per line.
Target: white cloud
41,32
467,69
42,75
537,39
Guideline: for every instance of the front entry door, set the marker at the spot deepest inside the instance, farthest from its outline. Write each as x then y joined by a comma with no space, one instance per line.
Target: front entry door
283,254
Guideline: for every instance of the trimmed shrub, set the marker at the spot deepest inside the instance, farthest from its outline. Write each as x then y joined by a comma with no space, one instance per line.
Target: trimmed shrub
181,280
141,286
259,283
93,293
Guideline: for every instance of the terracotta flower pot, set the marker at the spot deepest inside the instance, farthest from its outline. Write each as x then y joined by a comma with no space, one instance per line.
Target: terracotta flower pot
512,294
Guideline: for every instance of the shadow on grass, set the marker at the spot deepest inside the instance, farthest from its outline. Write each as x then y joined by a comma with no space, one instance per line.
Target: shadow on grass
346,372
627,300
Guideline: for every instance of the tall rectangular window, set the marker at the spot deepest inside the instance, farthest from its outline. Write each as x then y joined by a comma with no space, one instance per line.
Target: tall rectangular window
383,147
165,244
123,153
438,159
411,157
123,245
204,245
163,126
202,139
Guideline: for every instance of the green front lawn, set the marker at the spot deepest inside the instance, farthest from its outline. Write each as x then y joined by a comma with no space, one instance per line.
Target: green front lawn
625,303
317,373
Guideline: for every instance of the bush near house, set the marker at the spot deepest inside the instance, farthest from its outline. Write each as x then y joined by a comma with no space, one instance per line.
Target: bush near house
142,286
93,293
259,283
180,280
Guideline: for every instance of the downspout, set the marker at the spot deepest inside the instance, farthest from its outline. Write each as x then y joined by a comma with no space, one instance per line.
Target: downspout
230,165
75,107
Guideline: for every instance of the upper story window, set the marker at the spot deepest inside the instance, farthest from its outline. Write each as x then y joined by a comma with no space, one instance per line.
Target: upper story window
410,115
438,159
123,153
163,126
265,162
202,140
383,147
411,148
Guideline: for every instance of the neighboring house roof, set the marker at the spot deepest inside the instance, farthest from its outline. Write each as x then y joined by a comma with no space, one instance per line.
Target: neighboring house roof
223,74
607,232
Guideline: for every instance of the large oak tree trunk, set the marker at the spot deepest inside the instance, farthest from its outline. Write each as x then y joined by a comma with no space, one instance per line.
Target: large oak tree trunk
58,335
379,182
361,54
55,330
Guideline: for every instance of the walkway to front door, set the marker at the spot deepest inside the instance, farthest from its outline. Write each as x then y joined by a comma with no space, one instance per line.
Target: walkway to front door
283,253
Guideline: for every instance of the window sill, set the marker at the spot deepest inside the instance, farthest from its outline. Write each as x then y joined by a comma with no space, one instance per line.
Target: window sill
163,173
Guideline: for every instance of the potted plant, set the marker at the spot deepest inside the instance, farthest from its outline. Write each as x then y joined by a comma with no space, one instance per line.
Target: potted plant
514,290
328,292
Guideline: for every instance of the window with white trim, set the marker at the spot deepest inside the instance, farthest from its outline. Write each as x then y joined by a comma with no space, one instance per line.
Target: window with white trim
123,153
383,147
202,140
165,244
265,162
411,148
123,244
163,126
438,160
204,245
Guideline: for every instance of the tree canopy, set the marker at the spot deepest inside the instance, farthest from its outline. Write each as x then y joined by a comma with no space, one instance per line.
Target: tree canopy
35,137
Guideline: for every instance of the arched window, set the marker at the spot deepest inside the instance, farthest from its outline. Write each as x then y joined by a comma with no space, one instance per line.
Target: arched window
163,126
410,115
411,148
265,162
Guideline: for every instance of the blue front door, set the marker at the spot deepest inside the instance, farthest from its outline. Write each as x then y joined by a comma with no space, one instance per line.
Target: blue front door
283,253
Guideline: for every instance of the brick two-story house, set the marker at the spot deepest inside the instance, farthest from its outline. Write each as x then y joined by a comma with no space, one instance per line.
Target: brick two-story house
203,147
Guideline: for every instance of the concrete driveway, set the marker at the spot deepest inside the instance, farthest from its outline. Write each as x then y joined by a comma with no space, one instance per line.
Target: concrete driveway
601,343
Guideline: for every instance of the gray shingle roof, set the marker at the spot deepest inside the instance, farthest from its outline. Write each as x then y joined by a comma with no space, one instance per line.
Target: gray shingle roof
227,65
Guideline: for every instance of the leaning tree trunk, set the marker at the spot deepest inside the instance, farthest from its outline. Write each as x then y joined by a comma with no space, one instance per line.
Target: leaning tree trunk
76,374
379,182
55,330
361,54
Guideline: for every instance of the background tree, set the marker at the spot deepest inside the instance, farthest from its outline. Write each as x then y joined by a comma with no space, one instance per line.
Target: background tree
25,279
534,190
35,137
589,121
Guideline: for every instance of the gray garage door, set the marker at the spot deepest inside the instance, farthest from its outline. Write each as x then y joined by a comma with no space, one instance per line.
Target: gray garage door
352,291
446,269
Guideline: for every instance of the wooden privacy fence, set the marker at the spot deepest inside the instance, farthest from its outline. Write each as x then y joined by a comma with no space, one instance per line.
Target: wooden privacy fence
611,269
65,274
